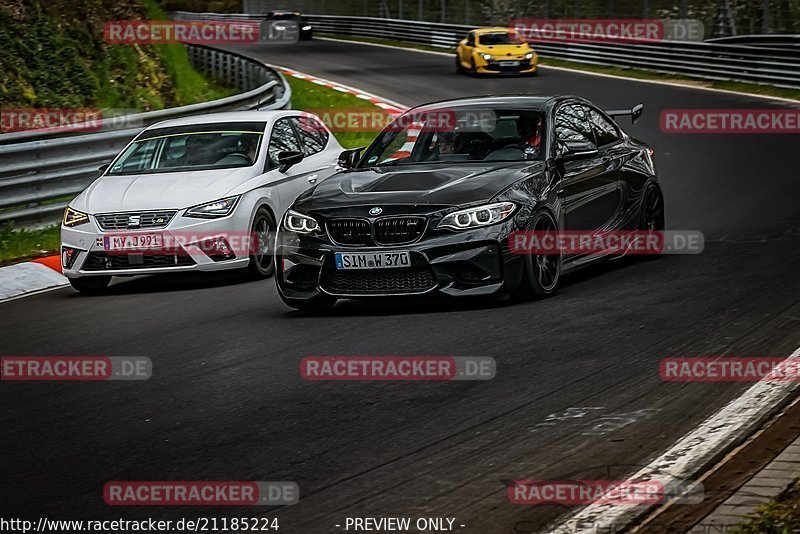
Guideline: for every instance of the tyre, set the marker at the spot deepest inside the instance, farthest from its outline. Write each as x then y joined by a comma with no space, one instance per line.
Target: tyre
541,271
263,230
320,303
459,68
651,217
90,285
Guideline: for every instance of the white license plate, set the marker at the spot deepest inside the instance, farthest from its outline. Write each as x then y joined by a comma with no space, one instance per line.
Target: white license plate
133,241
509,63
372,260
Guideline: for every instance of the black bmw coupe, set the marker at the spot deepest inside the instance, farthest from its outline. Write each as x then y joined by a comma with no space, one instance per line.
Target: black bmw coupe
431,204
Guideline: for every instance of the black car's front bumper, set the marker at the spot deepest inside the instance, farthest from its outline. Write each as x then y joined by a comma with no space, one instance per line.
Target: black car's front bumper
474,262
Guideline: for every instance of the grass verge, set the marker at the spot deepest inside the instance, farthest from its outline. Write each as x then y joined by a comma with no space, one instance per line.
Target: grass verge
636,74
779,516
23,244
315,98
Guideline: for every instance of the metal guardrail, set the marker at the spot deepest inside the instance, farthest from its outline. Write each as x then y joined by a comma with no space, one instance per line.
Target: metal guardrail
771,65
38,170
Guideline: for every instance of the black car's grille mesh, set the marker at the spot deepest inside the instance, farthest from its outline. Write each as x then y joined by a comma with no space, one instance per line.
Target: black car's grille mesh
385,231
100,261
398,230
349,231
378,281
128,220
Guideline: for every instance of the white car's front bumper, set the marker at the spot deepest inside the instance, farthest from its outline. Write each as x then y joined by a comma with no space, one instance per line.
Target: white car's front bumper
185,253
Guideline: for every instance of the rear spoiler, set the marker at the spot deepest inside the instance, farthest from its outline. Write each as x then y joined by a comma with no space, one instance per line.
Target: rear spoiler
635,112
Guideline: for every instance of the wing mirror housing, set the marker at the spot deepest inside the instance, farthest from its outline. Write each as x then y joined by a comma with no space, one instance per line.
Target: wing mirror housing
571,150
288,158
350,158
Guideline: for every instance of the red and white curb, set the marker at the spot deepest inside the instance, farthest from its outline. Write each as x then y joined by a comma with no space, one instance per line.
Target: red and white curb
390,106
31,277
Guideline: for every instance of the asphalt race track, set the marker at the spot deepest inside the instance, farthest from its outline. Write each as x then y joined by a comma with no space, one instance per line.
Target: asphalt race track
577,392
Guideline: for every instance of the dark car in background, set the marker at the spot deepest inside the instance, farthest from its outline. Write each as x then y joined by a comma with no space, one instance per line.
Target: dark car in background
430,205
306,30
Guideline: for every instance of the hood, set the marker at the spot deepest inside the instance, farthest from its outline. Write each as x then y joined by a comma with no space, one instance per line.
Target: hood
172,190
419,184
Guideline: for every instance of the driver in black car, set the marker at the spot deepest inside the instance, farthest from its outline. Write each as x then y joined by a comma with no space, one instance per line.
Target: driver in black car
530,133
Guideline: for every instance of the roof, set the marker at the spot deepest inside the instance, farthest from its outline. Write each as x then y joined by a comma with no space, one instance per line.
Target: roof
538,101
227,117
493,29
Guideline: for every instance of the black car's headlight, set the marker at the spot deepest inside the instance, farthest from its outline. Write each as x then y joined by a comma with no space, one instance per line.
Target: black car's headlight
213,210
73,217
299,223
477,216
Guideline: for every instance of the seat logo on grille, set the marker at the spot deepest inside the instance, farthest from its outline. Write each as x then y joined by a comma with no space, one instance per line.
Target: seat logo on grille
376,211
134,220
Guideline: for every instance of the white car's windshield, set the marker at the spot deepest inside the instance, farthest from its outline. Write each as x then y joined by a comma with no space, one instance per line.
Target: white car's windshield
467,134
189,148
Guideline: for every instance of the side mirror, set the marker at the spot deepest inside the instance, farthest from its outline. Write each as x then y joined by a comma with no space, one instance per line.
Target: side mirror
287,158
350,158
571,150
636,112
104,167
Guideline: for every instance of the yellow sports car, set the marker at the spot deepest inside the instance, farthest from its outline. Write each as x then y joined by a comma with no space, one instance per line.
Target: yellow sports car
495,51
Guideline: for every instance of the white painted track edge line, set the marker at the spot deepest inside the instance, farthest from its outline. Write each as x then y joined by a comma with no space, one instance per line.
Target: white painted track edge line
590,73
740,417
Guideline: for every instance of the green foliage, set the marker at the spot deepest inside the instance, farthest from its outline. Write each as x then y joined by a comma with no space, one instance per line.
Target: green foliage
23,244
781,516
53,55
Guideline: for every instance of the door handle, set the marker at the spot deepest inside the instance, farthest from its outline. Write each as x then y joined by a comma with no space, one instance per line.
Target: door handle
312,178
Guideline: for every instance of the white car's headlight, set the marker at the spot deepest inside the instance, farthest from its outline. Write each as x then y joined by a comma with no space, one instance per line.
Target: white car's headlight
487,57
74,217
529,55
299,223
478,216
213,210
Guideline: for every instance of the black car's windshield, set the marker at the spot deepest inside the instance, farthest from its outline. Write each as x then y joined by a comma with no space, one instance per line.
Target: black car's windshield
500,38
467,134
190,148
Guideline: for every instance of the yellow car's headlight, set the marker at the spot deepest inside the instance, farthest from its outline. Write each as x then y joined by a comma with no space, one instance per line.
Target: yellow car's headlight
487,57
529,55
74,217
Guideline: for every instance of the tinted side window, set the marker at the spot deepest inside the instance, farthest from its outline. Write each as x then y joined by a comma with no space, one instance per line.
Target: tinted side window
313,134
604,130
471,39
283,139
571,124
